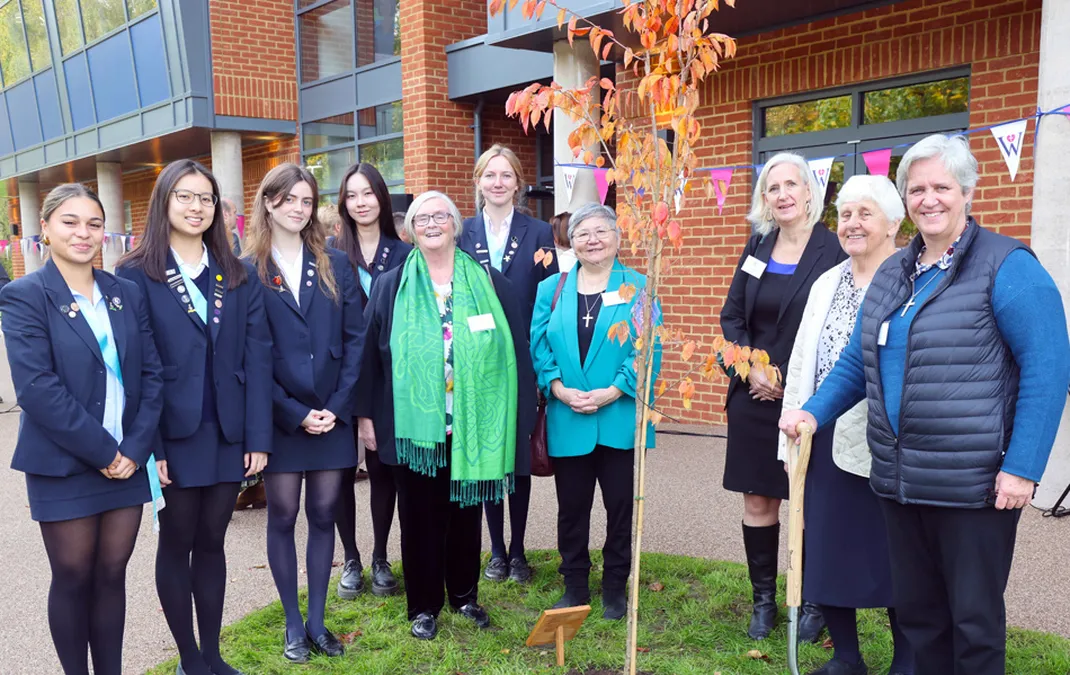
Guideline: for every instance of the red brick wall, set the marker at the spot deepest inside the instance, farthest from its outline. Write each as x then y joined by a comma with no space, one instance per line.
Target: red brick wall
999,39
254,66
439,147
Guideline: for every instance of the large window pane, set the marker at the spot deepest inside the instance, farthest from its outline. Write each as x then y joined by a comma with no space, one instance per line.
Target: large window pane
798,118
70,29
328,131
14,59
326,41
34,13
917,100
378,30
388,157
328,168
380,120
138,7
101,16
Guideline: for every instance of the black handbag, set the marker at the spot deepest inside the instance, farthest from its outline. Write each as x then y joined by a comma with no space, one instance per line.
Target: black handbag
541,464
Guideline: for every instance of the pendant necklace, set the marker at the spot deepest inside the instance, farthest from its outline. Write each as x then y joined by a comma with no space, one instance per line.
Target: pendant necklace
910,303
588,318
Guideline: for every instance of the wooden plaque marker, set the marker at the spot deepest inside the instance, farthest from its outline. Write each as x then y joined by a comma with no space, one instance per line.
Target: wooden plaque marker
556,626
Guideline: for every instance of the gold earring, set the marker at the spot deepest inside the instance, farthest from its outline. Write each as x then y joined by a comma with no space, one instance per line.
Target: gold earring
45,240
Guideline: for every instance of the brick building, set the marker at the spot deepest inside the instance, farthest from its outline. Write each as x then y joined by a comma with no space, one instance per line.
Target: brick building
417,87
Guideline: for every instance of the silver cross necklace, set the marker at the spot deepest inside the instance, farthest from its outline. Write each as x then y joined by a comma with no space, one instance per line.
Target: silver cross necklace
910,303
588,318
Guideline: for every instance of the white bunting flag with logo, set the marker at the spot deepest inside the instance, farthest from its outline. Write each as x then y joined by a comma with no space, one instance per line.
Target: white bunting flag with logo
1010,138
821,169
569,174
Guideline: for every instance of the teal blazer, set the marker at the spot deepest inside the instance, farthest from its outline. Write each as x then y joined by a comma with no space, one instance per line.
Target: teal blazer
555,353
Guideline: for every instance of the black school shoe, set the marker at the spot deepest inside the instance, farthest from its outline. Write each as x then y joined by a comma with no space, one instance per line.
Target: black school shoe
383,580
325,644
614,603
476,613
497,570
296,650
519,570
352,582
424,626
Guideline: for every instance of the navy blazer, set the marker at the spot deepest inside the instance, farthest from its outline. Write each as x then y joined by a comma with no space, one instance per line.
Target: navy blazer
317,346
376,384
390,254
526,236
822,252
241,353
60,377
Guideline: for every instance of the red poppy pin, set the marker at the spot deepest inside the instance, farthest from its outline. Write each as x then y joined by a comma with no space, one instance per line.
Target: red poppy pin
277,280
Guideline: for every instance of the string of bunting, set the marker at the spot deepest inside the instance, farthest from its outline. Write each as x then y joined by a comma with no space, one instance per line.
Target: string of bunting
1009,137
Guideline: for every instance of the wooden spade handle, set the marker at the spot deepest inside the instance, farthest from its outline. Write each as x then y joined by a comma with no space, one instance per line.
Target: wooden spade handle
798,461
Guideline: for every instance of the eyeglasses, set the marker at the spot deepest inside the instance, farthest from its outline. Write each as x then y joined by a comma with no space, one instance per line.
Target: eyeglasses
601,234
440,218
186,197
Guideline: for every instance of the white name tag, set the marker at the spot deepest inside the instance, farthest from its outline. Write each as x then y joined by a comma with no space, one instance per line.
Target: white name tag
754,267
481,322
610,298
882,337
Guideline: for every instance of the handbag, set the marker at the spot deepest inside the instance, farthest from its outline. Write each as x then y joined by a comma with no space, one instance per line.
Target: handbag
541,464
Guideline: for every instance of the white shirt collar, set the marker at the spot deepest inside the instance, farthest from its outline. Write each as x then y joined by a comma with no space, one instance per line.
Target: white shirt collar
192,271
507,223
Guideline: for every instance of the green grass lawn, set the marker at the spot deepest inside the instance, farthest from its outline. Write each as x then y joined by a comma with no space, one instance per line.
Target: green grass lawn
695,625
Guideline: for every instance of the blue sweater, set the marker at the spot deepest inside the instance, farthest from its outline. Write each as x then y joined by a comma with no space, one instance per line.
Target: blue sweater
1029,314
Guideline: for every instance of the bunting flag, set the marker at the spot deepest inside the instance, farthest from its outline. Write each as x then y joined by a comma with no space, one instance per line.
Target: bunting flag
1010,138
239,224
717,177
678,193
602,183
878,161
821,169
569,175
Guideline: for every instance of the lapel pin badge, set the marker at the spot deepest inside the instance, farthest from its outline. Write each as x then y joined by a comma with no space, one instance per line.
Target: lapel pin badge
74,306
311,273
72,314
219,277
215,319
181,289
308,283
64,308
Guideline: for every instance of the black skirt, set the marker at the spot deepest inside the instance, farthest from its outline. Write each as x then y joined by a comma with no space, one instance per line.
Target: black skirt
847,563
750,464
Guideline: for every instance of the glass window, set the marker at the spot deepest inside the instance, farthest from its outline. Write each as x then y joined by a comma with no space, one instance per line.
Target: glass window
326,41
328,131
14,59
379,21
328,168
101,16
136,8
380,120
70,29
798,118
917,100
388,157
34,14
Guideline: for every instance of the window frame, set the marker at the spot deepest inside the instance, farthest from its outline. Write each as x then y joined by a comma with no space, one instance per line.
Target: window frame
356,144
354,68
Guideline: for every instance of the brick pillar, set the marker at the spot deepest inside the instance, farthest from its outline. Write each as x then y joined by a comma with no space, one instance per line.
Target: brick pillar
439,145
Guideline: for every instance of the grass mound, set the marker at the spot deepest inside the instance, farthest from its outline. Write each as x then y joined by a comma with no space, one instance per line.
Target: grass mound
693,621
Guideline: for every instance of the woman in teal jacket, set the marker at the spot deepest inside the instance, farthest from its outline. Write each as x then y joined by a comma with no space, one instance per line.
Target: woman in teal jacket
589,381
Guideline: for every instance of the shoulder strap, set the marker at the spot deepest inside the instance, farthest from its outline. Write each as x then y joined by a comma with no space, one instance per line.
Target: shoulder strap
557,291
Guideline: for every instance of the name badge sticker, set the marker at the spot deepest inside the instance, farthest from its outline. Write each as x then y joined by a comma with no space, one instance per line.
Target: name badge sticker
882,337
612,298
754,267
481,322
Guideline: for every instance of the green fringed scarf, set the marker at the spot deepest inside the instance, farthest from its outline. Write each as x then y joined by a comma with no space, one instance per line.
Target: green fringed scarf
483,454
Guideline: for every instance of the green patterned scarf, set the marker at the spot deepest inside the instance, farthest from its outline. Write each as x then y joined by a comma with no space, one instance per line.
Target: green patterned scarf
483,454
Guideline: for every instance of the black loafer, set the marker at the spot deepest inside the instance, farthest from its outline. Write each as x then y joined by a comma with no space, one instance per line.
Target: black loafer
383,580
838,667
424,626
519,570
352,582
476,613
614,603
497,570
325,644
811,622
296,649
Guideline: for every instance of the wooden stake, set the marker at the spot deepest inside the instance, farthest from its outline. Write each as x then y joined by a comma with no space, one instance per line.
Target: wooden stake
559,638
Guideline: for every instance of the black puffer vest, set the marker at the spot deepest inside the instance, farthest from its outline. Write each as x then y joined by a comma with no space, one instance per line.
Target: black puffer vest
960,382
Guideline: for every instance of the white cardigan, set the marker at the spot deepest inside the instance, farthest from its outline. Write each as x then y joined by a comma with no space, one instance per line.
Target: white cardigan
850,450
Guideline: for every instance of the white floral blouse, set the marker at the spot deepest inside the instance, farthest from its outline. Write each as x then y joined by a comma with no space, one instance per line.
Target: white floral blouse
839,324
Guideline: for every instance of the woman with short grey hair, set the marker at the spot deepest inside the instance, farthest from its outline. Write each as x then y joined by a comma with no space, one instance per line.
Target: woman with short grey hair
961,353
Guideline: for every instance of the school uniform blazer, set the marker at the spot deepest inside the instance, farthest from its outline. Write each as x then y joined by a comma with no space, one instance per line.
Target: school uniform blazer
377,392
822,252
390,254
526,236
317,346
555,353
241,351
60,377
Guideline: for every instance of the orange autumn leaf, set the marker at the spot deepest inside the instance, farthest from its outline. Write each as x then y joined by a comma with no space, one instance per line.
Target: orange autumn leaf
743,370
539,255
661,213
688,351
548,260
662,386
560,19
627,292
656,417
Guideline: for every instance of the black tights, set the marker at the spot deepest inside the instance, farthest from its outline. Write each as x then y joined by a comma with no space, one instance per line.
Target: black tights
384,497
518,520
843,629
87,598
192,567
284,502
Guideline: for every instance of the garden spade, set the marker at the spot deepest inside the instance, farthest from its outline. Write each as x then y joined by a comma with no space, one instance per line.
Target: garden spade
798,461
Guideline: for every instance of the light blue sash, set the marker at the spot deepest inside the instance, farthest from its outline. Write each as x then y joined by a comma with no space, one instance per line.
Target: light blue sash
365,280
195,296
496,254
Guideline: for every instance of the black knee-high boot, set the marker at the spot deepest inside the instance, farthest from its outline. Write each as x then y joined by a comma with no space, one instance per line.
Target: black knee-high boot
761,544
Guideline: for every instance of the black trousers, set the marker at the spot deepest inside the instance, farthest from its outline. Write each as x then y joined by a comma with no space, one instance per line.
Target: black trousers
575,478
440,542
949,571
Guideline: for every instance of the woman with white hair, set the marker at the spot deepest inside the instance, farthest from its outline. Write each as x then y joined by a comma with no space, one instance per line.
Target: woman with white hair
961,353
445,364
847,547
788,252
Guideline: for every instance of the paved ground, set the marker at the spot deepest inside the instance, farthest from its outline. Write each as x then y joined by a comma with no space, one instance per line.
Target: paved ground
688,513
